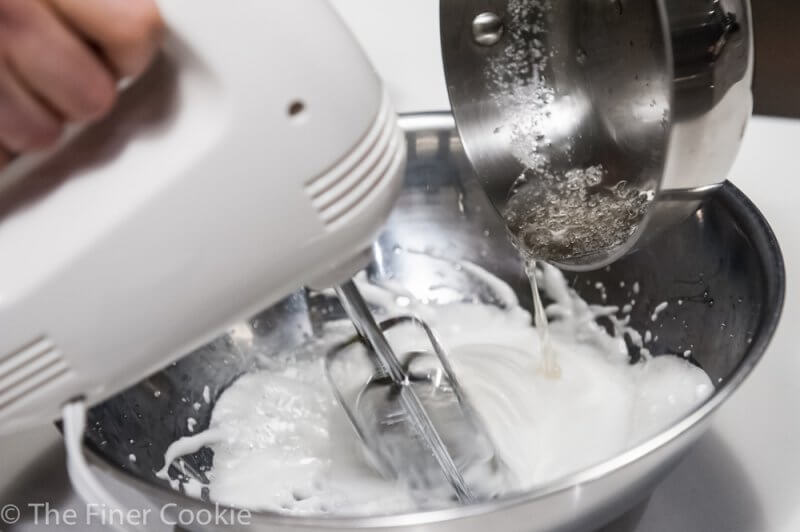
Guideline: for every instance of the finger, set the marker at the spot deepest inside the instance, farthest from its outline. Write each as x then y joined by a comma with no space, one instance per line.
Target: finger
25,123
5,157
58,66
128,32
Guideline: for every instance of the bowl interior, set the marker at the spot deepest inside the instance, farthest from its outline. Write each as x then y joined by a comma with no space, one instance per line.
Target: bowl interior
720,273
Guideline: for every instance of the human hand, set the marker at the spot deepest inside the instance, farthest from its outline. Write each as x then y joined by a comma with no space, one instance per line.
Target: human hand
60,61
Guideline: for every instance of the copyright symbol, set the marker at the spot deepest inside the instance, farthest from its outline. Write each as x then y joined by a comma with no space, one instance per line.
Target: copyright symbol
9,514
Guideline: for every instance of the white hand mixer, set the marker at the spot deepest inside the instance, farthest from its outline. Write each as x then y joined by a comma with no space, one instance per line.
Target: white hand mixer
260,154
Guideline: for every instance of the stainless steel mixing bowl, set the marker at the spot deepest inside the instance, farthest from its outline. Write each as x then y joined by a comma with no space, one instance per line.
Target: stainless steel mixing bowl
723,263
657,92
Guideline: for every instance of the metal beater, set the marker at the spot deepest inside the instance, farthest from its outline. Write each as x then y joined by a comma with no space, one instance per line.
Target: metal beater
398,412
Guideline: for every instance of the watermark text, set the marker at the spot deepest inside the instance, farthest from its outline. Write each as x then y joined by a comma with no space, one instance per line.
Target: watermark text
47,514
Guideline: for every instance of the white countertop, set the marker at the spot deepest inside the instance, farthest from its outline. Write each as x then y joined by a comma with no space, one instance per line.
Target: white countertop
743,476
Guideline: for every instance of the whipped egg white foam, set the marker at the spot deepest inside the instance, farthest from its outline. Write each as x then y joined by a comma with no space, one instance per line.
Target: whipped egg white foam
282,443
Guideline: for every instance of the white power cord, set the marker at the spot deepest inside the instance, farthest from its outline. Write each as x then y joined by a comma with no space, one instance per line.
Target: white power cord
80,475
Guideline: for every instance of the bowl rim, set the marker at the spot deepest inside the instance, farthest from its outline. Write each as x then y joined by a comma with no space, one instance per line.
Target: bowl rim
757,231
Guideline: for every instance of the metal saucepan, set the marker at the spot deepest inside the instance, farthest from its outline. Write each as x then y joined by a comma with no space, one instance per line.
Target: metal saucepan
654,94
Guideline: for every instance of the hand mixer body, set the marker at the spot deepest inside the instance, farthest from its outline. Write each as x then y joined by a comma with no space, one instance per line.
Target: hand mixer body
259,155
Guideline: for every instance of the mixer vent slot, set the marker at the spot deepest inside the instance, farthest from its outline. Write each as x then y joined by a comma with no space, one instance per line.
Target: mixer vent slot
336,192
33,365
